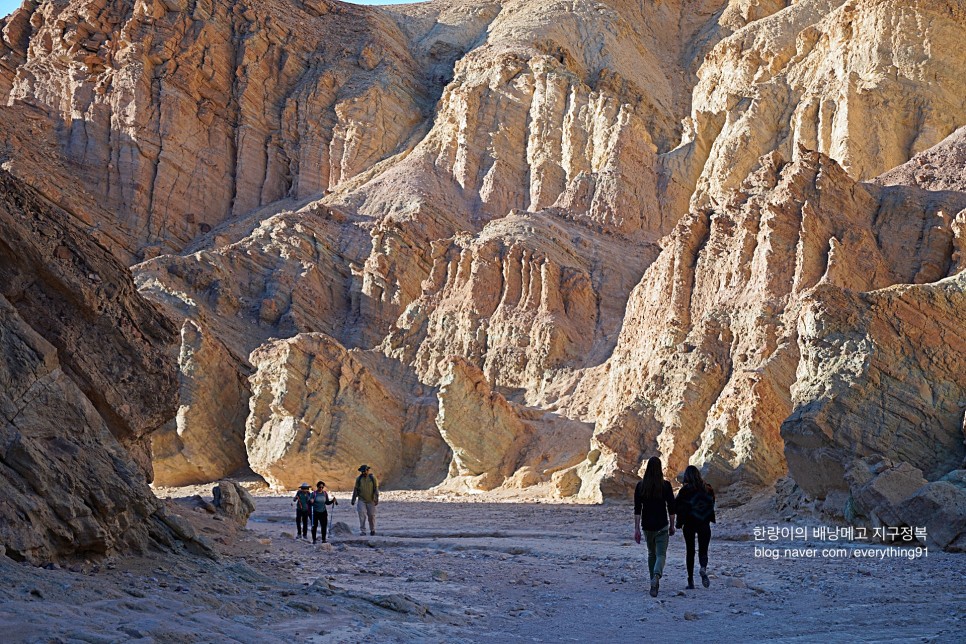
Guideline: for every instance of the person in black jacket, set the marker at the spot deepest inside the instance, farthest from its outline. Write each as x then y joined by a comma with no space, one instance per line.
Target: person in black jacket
695,511
654,513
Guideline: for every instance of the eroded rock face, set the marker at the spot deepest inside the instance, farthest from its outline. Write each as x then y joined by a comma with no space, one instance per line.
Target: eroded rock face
110,341
497,443
290,274
319,409
84,378
206,439
881,373
707,351
685,224
527,297
181,115
815,75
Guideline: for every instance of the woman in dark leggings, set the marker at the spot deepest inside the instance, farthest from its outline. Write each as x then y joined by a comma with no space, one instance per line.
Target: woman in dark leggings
695,514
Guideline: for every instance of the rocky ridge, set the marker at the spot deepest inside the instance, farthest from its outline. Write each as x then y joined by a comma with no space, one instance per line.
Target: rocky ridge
524,243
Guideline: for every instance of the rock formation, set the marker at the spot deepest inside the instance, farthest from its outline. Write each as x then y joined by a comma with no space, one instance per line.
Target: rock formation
496,442
521,242
84,379
233,501
318,411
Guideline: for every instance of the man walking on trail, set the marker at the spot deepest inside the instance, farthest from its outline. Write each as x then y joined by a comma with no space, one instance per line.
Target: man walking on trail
366,491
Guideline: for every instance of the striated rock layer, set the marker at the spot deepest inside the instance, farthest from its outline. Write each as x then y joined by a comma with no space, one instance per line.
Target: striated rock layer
84,379
522,243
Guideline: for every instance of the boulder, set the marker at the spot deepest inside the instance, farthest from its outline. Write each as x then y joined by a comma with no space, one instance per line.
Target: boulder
940,508
881,373
233,501
319,410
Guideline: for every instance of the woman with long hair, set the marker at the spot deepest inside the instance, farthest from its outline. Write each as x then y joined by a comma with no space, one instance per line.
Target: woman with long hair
695,507
654,514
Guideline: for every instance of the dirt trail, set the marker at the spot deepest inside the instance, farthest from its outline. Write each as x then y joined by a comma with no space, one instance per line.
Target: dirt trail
475,571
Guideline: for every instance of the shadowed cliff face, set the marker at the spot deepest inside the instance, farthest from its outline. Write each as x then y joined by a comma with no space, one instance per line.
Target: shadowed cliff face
479,234
85,379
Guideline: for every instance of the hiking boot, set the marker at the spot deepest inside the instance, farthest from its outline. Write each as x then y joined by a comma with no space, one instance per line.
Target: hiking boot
690,583
372,533
705,580
655,585
362,533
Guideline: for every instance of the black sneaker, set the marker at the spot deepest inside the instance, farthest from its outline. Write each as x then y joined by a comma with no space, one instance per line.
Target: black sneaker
655,585
372,533
690,584
705,580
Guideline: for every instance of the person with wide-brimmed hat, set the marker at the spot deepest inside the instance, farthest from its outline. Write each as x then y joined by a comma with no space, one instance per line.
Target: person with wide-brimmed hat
303,510
366,490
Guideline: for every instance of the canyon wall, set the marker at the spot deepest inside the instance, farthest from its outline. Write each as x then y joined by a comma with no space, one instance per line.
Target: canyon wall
85,380
524,243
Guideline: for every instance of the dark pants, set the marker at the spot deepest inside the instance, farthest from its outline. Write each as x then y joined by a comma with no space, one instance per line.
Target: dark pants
703,532
302,522
320,518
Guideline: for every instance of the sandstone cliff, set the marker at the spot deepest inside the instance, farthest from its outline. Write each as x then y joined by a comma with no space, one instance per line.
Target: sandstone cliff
521,242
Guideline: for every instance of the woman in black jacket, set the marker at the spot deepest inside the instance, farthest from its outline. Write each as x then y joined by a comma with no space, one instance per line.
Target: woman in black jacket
654,513
695,514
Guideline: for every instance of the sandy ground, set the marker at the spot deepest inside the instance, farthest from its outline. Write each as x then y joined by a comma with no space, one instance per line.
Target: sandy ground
469,570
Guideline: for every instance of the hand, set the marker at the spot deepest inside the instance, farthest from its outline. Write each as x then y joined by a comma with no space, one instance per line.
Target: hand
637,536
670,531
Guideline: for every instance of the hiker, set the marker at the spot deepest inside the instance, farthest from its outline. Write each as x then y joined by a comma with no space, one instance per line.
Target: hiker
303,509
654,513
366,491
320,513
695,512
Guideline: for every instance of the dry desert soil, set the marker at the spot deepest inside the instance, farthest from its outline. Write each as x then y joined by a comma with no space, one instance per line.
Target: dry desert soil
445,568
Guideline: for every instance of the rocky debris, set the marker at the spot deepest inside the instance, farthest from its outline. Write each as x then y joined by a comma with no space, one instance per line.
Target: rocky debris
319,410
878,486
84,378
888,494
937,169
233,501
940,508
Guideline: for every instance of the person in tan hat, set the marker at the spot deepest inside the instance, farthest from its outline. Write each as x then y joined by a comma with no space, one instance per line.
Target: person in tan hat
366,491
